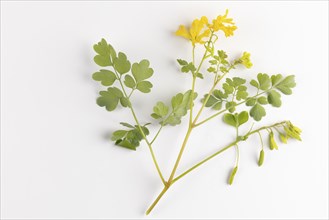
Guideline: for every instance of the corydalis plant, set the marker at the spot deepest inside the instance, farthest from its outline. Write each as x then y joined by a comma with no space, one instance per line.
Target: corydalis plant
123,79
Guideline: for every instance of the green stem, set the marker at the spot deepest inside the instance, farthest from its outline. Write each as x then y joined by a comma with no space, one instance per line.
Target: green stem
190,127
141,131
208,96
224,149
157,200
180,154
155,137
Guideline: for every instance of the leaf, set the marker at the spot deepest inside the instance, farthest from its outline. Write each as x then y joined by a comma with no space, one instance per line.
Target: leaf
230,106
118,135
276,79
264,81
217,106
261,158
129,139
251,102
211,69
257,112
106,53
182,62
180,105
286,84
232,175
274,98
144,86
160,109
124,102
243,117
172,120
141,70
219,94
126,144
231,119
129,81
241,95
106,77
262,100
254,83
199,75
228,89
127,125
237,81
121,64
188,68
110,98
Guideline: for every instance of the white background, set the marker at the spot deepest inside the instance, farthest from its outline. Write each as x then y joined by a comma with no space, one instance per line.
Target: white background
56,157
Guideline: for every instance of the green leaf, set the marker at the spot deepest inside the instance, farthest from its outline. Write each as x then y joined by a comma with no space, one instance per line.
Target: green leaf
213,62
286,84
254,83
187,68
160,109
231,119
228,89
264,81
142,70
251,102
110,98
262,100
241,95
172,120
144,86
126,144
182,62
121,64
211,69
230,106
276,79
106,77
199,75
118,135
124,102
176,100
257,112
127,125
237,81
217,106
129,82
180,105
211,101
243,117
274,98
219,94
106,53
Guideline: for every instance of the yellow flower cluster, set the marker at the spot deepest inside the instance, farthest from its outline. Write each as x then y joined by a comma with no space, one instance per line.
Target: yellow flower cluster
201,28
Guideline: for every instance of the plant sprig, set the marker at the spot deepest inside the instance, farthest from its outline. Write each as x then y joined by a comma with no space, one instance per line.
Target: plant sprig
122,78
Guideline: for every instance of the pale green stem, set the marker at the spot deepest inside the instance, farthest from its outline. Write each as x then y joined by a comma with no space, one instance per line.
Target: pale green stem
142,132
224,149
155,137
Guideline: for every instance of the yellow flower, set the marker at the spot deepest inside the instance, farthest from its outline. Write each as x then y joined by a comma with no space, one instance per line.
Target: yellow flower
224,24
196,33
245,60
